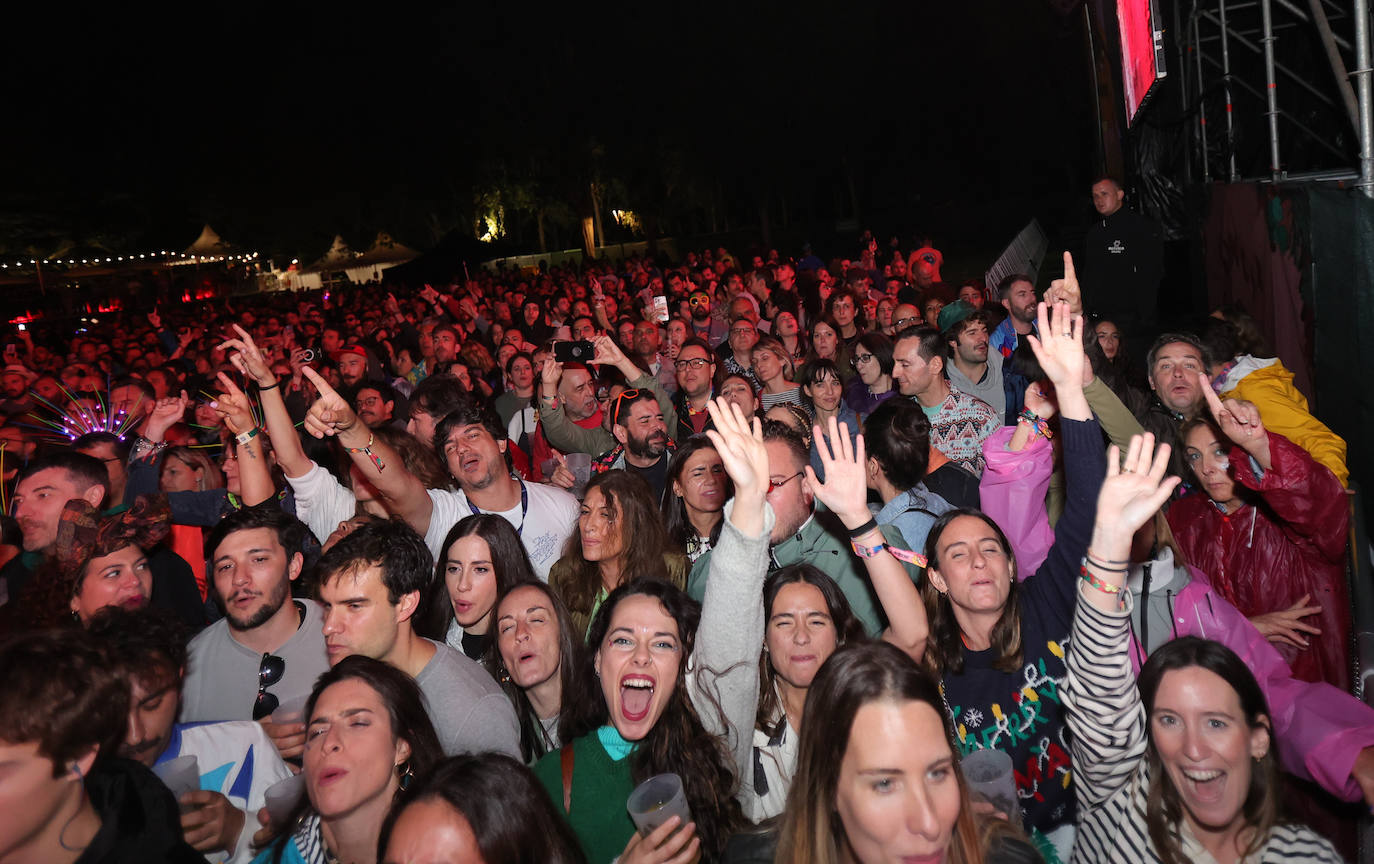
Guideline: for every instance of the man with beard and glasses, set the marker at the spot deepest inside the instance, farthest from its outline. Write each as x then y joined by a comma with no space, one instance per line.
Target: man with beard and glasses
268,649
704,325
972,367
147,650
644,447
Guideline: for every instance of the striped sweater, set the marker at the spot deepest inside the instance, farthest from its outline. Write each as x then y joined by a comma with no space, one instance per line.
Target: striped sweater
1111,774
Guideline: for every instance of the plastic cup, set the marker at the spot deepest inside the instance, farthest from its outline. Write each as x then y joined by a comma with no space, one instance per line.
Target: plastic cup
657,800
580,464
291,711
283,796
181,775
989,777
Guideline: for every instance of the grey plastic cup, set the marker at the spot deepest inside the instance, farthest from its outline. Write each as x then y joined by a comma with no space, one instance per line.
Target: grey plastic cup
283,796
580,464
656,800
989,777
292,710
181,775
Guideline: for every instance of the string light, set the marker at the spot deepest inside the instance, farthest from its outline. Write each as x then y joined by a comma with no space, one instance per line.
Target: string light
180,258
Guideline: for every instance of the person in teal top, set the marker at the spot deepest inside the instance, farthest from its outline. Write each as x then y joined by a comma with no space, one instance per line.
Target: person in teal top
678,683
368,734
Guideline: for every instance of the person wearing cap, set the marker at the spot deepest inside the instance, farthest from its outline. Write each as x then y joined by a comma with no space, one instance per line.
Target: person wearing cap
15,381
972,367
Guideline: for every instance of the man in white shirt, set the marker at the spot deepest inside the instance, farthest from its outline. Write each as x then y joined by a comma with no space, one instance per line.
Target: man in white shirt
236,759
470,440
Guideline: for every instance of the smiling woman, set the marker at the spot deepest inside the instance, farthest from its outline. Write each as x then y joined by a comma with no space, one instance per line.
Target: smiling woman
671,685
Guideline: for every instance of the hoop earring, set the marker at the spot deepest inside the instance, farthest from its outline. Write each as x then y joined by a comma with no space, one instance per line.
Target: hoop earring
407,774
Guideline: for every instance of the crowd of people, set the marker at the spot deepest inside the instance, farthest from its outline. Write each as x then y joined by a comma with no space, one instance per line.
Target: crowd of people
445,574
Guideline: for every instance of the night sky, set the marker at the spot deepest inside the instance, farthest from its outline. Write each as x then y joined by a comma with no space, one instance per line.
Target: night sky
283,126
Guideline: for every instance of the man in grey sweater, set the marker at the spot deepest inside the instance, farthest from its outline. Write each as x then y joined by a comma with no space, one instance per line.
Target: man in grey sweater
371,585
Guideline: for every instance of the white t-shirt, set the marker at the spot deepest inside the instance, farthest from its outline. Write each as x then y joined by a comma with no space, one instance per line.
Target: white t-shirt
548,523
322,502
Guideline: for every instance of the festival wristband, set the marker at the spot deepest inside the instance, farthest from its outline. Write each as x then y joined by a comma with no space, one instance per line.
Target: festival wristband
903,555
366,450
245,437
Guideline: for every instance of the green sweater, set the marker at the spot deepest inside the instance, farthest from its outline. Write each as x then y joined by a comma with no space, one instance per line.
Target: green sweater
600,788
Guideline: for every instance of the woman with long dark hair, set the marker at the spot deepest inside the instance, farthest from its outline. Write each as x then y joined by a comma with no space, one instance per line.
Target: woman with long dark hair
672,694
694,496
619,538
1181,765
367,737
477,807
808,617
996,641
878,777
480,559
536,657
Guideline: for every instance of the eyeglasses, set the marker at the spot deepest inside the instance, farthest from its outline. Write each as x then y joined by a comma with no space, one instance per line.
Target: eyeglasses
740,331
622,402
777,484
698,300
858,359
694,363
901,323
269,672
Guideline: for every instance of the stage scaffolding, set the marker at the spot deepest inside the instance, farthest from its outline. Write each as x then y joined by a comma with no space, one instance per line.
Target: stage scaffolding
1249,69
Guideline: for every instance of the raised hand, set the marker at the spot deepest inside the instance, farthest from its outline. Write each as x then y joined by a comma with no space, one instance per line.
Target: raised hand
166,413
845,490
1059,345
155,319
606,352
329,414
550,375
248,358
739,441
1134,490
233,407
1066,290
1039,402
1240,421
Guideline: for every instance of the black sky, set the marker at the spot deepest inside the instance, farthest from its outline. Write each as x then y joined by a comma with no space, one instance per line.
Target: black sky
282,126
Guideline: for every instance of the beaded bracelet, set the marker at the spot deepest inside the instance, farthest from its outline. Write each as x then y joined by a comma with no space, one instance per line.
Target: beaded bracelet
366,450
1038,424
1093,580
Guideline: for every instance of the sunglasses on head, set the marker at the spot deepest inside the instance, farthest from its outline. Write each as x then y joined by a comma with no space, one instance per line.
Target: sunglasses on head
270,671
622,402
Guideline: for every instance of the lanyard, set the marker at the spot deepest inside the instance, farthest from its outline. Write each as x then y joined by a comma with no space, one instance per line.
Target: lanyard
524,508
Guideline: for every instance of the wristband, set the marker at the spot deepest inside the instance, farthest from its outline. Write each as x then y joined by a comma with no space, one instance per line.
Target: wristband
366,450
856,533
245,437
273,386
1038,424
903,555
1099,565
1097,583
